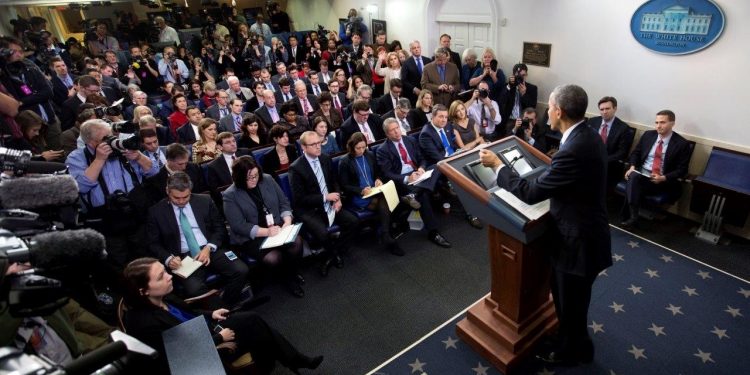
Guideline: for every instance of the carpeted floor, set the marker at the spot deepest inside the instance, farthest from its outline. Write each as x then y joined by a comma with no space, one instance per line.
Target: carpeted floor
379,304
653,312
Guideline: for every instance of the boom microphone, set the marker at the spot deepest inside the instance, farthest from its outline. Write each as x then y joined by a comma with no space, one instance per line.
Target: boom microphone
54,250
38,191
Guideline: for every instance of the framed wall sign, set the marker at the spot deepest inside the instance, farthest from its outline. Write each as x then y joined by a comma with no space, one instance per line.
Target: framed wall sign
536,54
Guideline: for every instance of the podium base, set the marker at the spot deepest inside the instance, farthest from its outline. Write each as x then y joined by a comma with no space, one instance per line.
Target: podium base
498,340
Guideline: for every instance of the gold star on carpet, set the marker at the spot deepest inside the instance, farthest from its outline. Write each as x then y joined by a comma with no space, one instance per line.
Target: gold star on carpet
417,366
480,370
657,330
744,292
690,291
603,273
705,357
675,309
450,343
721,333
651,273
632,244
635,289
637,353
704,275
666,258
618,257
733,312
596,327
617,307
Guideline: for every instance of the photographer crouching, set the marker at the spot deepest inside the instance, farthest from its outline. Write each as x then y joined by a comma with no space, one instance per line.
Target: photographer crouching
527,129
109,172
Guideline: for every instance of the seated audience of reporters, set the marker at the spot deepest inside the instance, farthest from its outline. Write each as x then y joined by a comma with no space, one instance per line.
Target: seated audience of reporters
253,133
281,156
329,146
205,149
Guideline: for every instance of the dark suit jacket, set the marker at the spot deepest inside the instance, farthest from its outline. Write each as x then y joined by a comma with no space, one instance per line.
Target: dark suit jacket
242,213
575,183
271,161
411,77
306,196
218,171
156,185
431,81
227,123
265,117
164,230
69,112
251,105
323,87
147,324
431,145
310,98
186,135
298,58
675,162
383,104
508,97
214,112
59,90
618,141
389,159
350,127
349,174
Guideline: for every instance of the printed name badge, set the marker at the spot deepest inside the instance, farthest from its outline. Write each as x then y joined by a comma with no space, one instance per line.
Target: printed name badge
269,220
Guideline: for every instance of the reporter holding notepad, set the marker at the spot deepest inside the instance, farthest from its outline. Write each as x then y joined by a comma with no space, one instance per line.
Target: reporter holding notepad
185,224
256,208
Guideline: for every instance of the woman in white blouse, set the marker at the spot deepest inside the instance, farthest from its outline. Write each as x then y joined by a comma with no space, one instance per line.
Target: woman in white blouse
391,71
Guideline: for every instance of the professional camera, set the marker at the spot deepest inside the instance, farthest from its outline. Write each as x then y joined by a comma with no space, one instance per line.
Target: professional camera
521,131
14,161
517,79
121,145
344,54
114,110
124,126
525,123
484,93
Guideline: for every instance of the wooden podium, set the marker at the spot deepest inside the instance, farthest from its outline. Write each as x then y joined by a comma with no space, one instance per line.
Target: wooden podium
504,326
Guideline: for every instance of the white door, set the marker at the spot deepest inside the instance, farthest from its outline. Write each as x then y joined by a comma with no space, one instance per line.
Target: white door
467,35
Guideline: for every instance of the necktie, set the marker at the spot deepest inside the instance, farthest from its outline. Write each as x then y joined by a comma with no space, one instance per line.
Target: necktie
603,133
322,183
405,125
316,90
441,71
446,144
337,104
306,106
419,64
237,122
222,112
270,87
156,159
187,231
274,114
366,132
286,97
404,156
656,166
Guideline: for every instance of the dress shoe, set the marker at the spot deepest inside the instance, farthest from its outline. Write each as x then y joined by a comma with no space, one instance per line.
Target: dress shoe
396,249
438,239
325,266
295,289
474,222
410,200
308,363
338,261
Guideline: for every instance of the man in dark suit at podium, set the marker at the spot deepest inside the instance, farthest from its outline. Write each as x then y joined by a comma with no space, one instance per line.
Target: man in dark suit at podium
579,236
614,134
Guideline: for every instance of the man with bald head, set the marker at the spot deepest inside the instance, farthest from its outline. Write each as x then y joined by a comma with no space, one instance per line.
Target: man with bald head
269,113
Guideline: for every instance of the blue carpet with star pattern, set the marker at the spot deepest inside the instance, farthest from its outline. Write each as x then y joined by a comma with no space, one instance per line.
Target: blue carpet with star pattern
653,312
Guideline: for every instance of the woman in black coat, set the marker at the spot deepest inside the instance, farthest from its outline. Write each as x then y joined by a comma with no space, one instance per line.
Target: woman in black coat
358,173
282,155
152,310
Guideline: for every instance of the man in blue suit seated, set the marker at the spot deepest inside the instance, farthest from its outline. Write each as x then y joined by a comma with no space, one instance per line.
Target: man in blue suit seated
579,239
401,162
661,154
437,141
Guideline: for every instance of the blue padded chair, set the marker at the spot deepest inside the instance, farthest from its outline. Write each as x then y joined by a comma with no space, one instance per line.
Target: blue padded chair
204,170
285,186
259,153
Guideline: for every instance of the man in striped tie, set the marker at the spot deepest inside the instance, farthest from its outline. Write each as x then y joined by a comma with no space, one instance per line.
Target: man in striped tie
316,201
660,158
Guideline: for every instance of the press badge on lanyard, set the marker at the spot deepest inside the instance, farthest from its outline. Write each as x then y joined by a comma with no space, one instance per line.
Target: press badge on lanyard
269,219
